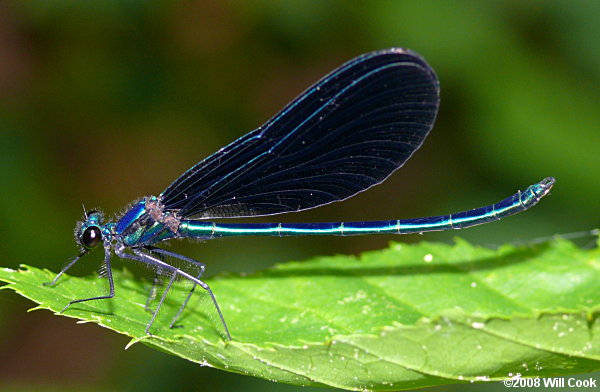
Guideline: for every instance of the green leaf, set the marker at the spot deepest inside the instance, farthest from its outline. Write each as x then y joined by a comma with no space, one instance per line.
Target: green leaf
404,317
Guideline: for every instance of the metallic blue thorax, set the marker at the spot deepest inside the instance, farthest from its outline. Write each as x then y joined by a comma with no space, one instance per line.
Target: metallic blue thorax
145,223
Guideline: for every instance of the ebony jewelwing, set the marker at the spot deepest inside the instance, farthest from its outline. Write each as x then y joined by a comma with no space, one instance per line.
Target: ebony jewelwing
346,133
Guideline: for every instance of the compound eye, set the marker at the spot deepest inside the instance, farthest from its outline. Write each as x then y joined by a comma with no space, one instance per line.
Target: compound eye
91,237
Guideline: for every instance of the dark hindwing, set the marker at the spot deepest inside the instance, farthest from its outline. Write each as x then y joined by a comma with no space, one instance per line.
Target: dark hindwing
346,133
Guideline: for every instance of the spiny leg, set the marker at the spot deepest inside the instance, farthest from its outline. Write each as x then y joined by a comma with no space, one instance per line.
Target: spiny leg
183,305
157,281
161,251
162,299
71,263
149,259
196,281
212,296
111,282
200,265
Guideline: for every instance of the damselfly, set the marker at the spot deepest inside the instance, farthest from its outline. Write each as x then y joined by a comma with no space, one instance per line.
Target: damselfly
346,133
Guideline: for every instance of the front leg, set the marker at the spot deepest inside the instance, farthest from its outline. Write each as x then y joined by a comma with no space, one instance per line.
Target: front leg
69,265
111,282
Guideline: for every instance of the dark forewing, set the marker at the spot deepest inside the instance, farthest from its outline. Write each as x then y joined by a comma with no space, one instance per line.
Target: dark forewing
346,133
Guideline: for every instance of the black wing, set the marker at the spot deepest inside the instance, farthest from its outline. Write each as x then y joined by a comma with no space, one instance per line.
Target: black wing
346,133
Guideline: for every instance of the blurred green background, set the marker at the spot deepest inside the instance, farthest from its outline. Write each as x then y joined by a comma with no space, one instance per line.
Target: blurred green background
102,102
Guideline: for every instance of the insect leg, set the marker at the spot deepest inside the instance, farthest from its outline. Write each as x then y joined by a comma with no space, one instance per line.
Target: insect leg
111,282
162,299
149,259
71,263
199,264
157,281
